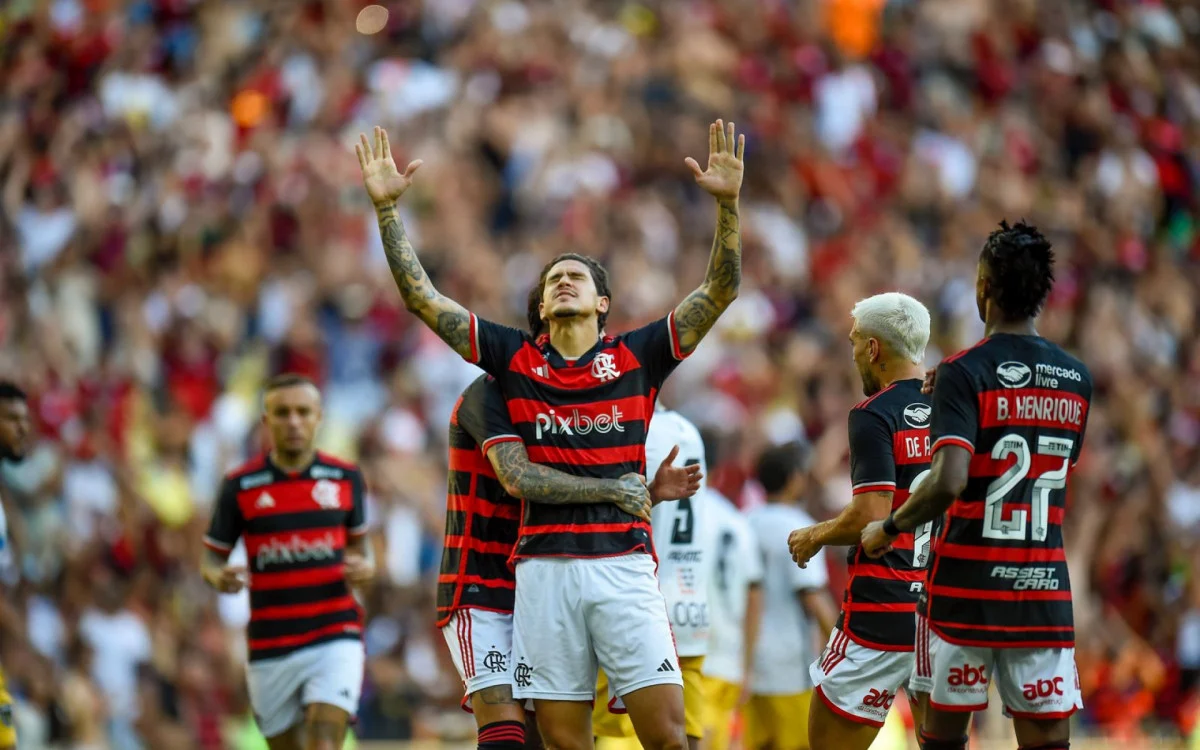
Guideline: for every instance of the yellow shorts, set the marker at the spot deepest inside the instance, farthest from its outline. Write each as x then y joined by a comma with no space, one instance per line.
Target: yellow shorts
8,731
609,726
777,721
721,699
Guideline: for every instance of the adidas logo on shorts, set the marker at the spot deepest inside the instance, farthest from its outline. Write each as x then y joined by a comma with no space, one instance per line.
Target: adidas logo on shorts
666,666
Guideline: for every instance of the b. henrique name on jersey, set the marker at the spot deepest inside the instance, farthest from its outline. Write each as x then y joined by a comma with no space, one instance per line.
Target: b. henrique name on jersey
889,452
295,528
587,417
999,574
481,518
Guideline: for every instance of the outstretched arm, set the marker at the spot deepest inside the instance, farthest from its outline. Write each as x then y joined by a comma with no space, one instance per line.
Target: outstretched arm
696,314
385,184
522,478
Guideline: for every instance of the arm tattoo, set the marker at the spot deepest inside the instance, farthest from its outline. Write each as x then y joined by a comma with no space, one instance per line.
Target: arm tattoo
695,316
541,484
498,695
448,319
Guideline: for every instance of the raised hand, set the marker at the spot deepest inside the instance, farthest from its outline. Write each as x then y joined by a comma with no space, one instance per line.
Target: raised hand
633,497
674,482
723,177
384,182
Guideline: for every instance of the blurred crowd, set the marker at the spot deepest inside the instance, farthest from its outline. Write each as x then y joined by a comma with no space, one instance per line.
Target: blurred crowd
182,216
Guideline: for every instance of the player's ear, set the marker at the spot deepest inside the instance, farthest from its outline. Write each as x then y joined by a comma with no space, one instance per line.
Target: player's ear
873,349
602,305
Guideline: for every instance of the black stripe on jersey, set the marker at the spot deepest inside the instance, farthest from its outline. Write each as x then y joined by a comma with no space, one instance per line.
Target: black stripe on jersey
275,653
282,523
261,629
483,529
298,595
585,544
490,489
459,483
460,439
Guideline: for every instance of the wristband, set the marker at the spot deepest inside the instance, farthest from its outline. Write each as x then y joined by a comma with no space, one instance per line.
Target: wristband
889,525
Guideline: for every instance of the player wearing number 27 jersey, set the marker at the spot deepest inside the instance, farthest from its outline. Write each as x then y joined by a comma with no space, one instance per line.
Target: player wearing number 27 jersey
1008,422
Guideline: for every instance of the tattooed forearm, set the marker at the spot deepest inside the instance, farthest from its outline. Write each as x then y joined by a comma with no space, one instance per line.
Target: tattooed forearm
946,481
695,316
448,319
522,478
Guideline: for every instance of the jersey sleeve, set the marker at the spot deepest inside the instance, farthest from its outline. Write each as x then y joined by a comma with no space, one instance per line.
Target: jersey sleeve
815,576
484,415
955,419
227,521
872,457
493,345
356,522
656,346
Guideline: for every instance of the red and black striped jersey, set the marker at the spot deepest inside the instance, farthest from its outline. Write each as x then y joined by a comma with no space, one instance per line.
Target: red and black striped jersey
481,518
295,527
889,452
999,578
587,417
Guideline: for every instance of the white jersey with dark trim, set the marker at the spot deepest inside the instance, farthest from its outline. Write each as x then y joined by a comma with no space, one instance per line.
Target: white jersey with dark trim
735,565
679,534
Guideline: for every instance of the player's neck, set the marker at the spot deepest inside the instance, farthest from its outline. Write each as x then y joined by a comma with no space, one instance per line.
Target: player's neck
893,372
1024,327
573,337
293,463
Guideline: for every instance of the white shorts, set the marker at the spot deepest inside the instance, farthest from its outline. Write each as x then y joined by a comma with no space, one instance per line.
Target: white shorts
1034,683
325,673
480,643
859,683
574,614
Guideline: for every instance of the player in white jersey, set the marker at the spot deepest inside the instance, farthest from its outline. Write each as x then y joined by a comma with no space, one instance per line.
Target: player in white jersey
678,529
15,431
793,598
735,598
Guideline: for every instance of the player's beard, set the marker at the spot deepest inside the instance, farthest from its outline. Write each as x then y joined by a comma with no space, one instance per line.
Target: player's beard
870,383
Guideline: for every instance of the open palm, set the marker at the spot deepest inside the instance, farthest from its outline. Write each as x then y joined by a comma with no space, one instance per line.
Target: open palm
723,177
385,184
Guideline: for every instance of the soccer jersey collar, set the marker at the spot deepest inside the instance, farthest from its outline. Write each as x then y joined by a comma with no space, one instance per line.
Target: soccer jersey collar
559,362
283,473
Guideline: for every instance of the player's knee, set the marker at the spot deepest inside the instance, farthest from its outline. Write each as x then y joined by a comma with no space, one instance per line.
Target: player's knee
936,743
502,735
563,738
668,733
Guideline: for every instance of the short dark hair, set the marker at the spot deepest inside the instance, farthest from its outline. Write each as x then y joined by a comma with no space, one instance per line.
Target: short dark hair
533,310
1020,269
287,380
599,278
710,438
10,391
779,463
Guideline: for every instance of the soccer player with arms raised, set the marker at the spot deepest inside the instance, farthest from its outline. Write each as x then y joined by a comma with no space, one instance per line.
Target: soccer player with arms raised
301,514
870,653
490,472
586,590
1008,422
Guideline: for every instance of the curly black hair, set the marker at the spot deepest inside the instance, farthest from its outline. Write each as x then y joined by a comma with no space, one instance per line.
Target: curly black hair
1020,267
10,391
533,312
599,278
